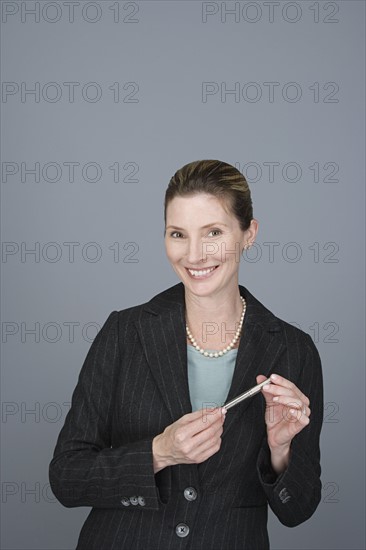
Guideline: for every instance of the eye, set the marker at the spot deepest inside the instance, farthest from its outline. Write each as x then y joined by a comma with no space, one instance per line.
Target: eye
216,231
175,233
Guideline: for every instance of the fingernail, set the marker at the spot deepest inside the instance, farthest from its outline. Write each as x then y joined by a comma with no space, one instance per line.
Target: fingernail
276,398
273,377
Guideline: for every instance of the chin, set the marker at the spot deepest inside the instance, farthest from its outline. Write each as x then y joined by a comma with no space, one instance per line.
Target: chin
201,288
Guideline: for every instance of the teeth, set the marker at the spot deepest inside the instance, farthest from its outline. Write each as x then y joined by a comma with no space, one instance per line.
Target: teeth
201,272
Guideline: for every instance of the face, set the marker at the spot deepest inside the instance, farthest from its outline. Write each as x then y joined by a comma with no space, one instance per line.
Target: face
204,243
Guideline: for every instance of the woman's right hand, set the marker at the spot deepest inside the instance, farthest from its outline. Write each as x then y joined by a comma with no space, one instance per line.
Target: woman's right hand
192,439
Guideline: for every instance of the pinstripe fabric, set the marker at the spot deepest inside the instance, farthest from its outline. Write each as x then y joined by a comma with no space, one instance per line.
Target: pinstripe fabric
133,383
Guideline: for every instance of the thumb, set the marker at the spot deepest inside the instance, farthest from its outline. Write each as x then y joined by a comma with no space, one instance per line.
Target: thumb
268,397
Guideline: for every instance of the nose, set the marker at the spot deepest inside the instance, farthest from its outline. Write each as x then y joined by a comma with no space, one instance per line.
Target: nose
196,251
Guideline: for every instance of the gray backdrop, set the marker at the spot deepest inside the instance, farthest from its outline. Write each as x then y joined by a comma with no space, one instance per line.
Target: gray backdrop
101,103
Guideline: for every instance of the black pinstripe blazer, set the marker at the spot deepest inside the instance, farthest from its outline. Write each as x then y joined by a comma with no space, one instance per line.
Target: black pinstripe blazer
133,383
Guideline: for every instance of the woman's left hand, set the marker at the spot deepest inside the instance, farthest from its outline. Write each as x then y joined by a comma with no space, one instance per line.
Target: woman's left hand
287,413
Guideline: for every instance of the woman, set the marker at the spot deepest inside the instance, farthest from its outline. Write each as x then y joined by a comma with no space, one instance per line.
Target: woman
147,443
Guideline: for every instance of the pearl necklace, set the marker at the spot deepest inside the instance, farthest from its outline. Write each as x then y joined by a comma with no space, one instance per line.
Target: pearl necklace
229,347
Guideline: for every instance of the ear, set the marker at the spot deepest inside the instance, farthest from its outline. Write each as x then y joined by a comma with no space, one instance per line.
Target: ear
250,234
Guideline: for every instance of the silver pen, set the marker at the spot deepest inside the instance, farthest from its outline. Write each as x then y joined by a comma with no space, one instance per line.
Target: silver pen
246,394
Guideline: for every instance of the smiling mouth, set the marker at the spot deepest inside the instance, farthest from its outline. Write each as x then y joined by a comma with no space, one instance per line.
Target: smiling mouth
201,273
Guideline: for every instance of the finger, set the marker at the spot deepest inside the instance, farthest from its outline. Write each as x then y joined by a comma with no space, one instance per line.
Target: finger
267,396
261,378
289,401
191,447
211,433
202,414
193,423
274,389
191,417
205,453
206,419
299,416
292,403
281,381
278,391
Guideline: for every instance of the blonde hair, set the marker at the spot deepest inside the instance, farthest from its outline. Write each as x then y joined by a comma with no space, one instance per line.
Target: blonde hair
217,178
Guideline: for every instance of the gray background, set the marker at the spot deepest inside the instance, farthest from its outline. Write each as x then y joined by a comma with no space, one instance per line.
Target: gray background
307,266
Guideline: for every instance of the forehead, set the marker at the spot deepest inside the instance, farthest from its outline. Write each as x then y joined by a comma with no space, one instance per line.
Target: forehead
202,203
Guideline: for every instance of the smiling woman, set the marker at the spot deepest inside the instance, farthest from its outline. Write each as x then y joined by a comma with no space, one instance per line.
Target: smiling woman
198,248
147,443
210,204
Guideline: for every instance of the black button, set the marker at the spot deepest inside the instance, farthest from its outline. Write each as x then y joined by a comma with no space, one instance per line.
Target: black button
134,500
141,501
190,493
125,501
182,530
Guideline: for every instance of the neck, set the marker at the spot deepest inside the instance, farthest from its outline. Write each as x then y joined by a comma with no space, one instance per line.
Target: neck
222,305
213,319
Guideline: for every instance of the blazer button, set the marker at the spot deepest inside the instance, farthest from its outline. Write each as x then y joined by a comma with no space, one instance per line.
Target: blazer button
141,501
125,501
134,500
182,530
190,493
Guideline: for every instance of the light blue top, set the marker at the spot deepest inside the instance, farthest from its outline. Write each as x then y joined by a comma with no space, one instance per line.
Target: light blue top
209,379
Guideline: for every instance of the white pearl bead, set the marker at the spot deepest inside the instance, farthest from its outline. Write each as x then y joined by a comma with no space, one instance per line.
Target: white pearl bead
232,343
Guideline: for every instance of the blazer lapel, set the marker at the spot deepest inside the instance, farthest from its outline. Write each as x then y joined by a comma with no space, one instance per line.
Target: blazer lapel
261,344
162,332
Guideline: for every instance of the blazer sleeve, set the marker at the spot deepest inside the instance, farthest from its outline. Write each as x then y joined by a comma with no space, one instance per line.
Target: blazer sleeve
85,469
295,494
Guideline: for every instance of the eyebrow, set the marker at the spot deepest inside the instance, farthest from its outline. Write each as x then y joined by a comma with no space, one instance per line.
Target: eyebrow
203,227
